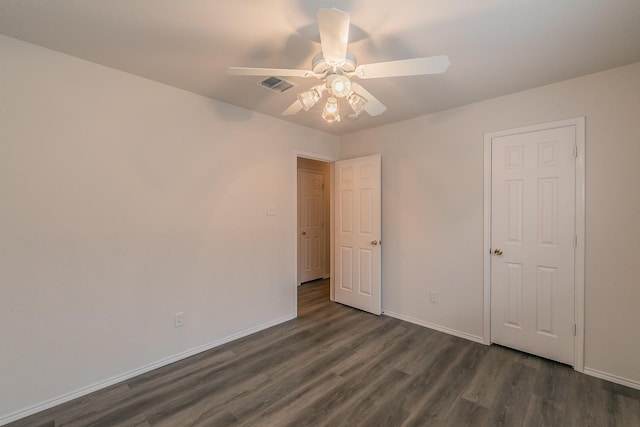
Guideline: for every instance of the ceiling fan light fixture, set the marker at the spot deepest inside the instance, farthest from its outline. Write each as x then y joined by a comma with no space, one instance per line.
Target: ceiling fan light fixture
357,102
339,84
331,112
308,98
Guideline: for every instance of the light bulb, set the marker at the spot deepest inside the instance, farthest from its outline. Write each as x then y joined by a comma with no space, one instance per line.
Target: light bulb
340,85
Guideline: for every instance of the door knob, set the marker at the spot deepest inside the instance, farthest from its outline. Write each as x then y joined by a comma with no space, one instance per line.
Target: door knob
304,232
497,251
374,242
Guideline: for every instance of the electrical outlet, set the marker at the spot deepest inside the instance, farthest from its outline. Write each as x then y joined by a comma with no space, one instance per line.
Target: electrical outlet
433,296
178,319
272,210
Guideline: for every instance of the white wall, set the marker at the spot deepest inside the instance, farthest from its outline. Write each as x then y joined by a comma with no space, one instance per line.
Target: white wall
122,201
433,221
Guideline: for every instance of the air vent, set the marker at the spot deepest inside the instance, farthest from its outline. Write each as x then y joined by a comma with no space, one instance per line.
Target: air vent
276,84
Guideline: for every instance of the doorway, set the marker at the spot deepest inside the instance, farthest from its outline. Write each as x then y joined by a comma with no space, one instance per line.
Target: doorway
351,228
534,240
313,220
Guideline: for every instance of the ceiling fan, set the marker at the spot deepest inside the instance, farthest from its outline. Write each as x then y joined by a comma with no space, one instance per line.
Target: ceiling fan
336,68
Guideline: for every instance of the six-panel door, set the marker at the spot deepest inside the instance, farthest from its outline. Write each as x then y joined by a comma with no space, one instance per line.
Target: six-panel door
358,232
532,235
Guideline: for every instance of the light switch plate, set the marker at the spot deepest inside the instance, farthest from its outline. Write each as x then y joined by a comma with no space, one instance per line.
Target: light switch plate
433,295
178,319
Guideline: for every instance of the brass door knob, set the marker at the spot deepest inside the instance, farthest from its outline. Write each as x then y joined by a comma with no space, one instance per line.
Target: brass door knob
304,232
374,242
497,251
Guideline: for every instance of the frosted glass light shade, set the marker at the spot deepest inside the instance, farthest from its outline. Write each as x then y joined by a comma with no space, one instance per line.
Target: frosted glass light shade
308,98
331,112
357,103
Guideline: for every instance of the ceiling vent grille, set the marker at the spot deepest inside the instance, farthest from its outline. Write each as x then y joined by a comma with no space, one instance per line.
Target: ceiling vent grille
276,84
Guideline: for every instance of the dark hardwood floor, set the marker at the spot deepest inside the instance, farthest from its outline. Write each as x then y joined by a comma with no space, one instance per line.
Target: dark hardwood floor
337,366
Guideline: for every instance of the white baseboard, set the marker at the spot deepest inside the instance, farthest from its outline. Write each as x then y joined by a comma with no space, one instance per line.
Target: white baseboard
613,378
30,410
429,325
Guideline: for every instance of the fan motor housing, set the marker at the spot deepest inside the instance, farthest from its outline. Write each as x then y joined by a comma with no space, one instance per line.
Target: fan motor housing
320,66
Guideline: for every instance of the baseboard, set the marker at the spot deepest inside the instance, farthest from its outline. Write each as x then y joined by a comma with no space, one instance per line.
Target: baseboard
8,418
612,378
429,325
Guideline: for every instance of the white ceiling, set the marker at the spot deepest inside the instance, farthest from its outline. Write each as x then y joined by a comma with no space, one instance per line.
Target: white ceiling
496,47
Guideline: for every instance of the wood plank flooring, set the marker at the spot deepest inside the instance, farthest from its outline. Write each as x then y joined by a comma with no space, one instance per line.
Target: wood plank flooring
312,371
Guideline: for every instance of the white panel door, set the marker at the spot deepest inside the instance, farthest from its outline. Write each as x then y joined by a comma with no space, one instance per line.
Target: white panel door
311,225
357,233
532,242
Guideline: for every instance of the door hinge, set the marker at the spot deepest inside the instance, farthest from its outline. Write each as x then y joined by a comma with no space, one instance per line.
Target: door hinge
575,151
575,329
575,240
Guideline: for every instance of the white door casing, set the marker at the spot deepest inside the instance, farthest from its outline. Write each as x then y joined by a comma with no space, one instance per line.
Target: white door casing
358,252
311,225
536,286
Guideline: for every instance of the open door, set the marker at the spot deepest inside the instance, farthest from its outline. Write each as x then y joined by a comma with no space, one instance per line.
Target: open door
358,254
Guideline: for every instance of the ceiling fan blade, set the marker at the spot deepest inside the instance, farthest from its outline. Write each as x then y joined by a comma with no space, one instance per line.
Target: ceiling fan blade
293,108
404,67
374,107
280,72
334,35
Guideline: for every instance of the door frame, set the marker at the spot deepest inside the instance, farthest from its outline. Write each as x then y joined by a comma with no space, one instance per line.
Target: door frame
294,226
579,124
